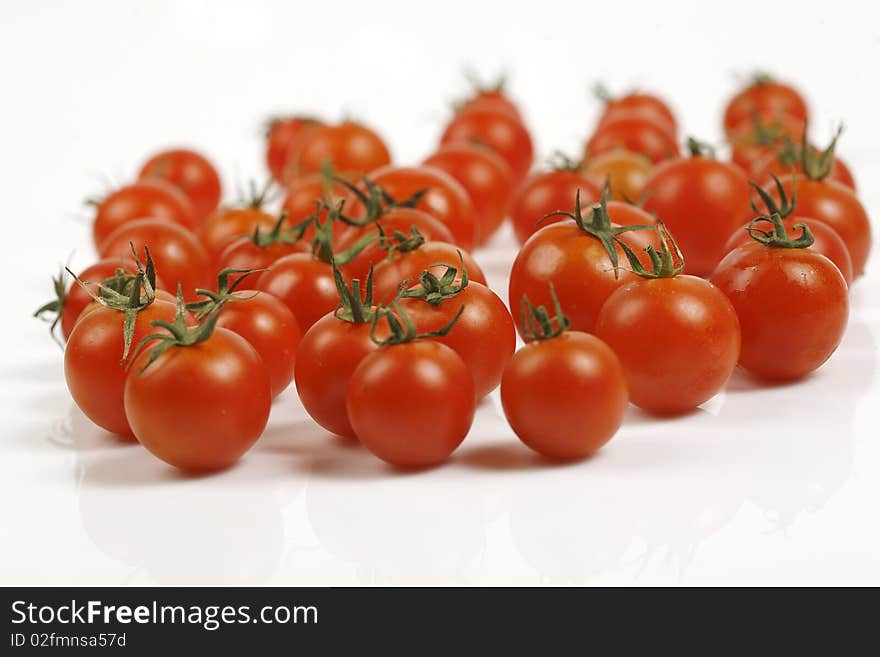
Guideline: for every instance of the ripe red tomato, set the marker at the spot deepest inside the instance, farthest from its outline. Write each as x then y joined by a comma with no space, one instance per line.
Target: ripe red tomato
190,172
445,199
792,306
640,106
408,265
178,255
550,191
678,340
765,99
93,367
302,195
702,201
350,148
635,134
625,172
283,139
305,285
193,413
226,225
755,139
485,176
145,199
503,133
484,335
248,253
490,100
411,404
564,396
837,206
774,164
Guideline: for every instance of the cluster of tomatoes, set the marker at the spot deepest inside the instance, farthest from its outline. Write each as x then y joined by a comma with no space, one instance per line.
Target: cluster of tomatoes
644,276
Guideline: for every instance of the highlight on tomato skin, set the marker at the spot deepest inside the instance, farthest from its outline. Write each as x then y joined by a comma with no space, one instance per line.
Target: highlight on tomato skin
192,173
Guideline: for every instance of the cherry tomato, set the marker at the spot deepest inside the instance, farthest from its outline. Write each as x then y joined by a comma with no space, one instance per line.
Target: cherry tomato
305,285
836,205
640,106
792,307
77,298
226,225
145,199
200,406
484,335
409,265
411,404
755,140
702,201
350,148
93,368
633,134
485,176
245,253
192,173
178,255
503,133
765,99
303,194
564,396
625,172
770,164
491,100
543,193
678,340
283,139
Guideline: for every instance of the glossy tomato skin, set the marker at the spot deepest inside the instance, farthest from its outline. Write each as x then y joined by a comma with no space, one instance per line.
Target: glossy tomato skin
702,201
484,335
78,298
178,254
767,166
768,100
145,199
491,101
95,376
625,171
200,407
395,219
678,340
304,284
192,173
226,225
642,106
402,266
827,242
837,206
270,328
351,148
445,199
327,356
747,149
634,134
485,176
411,404
243,253
548,192
566,396
503,133
792,306
283,140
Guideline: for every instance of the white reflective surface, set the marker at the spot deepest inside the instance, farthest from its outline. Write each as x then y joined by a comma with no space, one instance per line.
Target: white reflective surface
762,485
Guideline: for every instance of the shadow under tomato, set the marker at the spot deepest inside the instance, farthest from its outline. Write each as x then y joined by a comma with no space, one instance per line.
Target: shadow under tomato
508,457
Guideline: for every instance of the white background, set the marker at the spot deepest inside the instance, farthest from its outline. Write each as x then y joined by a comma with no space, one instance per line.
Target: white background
762,486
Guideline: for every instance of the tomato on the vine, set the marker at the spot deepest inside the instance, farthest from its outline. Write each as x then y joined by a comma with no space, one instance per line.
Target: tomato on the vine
766,99
283,139
189,171
753,142
500,131
227,224
352,149
264,247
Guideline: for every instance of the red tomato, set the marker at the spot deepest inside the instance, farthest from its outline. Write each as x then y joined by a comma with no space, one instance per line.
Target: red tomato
640,106
503,133
633,134
771,164
490,100
92,361
755,140
564,396
445,199
178,255
836,205
245,253
303,194
543,193
792,307
283,139
485,176
411,404
766,99
350,148
409,265
200,406
625,172
226,225
702,201
145,199
304,283
192,173
678,340
484,335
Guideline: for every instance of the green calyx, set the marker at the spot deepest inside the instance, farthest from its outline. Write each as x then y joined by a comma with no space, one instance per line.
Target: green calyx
698,148
785,206
777,236
255,197
352,307
666,263
54,307
817,165
277,235
437,290
401,326
559,161
398,241
225,292
536,322
480,86
322,243
761,78
375,200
